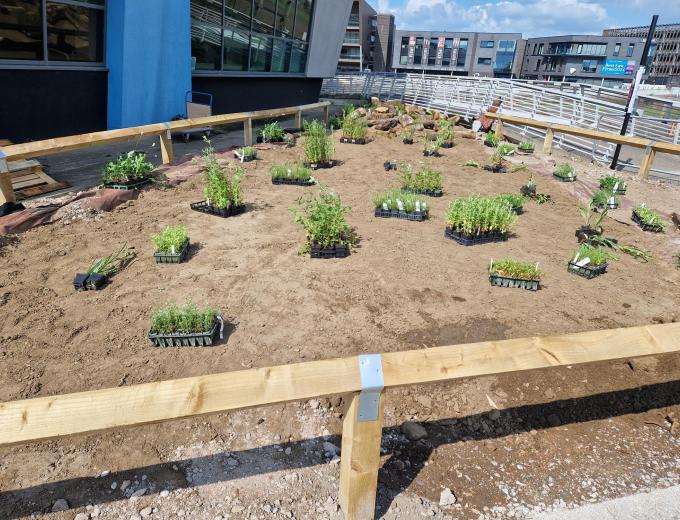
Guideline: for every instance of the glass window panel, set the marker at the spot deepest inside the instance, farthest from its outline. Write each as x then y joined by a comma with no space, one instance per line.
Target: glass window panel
236,45
264,13
280,56
205,46
206,11
21,30
236,12
432,52
462,53
303,19
260,53
298,57
74,33
285,18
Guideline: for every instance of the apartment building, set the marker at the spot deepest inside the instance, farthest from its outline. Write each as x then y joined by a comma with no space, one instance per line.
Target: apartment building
360,33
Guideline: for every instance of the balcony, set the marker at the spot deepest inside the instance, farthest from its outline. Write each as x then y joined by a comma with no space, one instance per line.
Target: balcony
353,20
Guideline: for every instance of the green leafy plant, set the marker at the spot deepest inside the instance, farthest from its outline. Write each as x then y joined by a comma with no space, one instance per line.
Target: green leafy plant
246,151
425,179
476,214
526,146
490,139
609,182
132,166
171,239
390,200
472,163
542,198
565,171
634,251
318,144
185,319
446,131
515,201
223,189
531,183
649,216
506,149
114,263
591,218
408,133
323,218
273,132
514,269
601,198
431,144
354,128
297,172
596,255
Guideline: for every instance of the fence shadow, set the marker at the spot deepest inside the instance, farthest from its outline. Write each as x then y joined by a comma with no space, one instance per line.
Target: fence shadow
395,476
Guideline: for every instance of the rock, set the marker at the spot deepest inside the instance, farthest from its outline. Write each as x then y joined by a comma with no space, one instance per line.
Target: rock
146,512
382,110
494,415
553,420
165,493
446,498
413,431
436,116
386,125
419,127
406,120
361,112
288,450
138,493
428,124
60,505
469,134
375,101
330,449
549,394
125,485
82,516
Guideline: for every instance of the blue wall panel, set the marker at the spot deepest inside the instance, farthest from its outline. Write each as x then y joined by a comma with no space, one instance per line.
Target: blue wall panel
148,53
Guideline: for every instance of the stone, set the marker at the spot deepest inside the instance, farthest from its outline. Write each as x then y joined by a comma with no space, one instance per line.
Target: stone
494,415
82,516
429,125
406,120
413,431
553,420
375,101
146,512
382,110
125,485
361,112
386,125
138,493
165,493
60,505
446,498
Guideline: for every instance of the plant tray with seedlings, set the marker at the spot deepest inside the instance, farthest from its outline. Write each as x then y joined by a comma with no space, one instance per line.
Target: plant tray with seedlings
97,275
525,148
186,326
129,172
474,239
272,133
294,174
491,140
406,140
426,181
246,154
205,207
294,182
334,251
511,273
417,216
128,185
89,282
173,257
172,245
320,164
565,173
351,140
421,191
589,261
647,223
390,165
613,184
495,168
516,202
479,220
587,271
519,283
431,153
198,339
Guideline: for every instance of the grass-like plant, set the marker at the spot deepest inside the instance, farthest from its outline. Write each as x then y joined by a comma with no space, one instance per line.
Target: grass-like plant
565,171
596,255
526,146
591,218
272,132
408,133
649,216
294,172
431,144
474,215
515,269
611,182
391,200
318,143
514,200
602,198
132,166
490,139
171,239
323,218
425,179
246,151
531,183
354,128
472,163
184,319
114,263
446,131
223,189
506,148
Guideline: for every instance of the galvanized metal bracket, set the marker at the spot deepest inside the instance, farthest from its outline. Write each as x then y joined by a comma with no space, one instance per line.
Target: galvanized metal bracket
168,130
372,384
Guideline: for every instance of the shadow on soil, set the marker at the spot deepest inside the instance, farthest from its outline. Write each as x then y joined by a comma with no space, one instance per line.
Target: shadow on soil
397,473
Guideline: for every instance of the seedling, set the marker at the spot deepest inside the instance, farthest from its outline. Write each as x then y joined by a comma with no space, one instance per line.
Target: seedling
472,163
408,134
605,199
400,201
273,133
101,270
513,200
497,161
529,189
131,168
648,219
246,153
506,149
565,172
593,256
185,319
526,147
431,146
446,132
318,145
511,273
354,129
613,184
223,185
474,216
490,139
592,221
426,181
292,172
170,242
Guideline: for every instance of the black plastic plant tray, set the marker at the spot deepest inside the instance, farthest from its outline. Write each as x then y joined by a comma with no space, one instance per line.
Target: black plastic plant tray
587,232
129,185
447,145
518,283
495,169
200,339
429,193
389,166
204,207
320,164
471,240
169,258
247,158
527,190
335,251
407,141
518,210
295,182
391,213
654,228
587,271
564,179
89,282
427,153
350,140
620,191
524,152
280,140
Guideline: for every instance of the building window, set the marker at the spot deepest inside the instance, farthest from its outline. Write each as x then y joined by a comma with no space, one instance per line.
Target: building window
250,35
74,31
403,53
540,48
487,44
483,61
617,49
418,54
432,54
630,49
505,56
448,49
589,66
462,53
538,64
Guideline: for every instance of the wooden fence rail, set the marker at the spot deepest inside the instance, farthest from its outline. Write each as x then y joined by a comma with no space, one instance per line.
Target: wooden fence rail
650,147
75,142
99,410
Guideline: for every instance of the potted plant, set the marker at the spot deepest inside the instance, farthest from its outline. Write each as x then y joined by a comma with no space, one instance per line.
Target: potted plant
613,184
426,181
323,218
525,148
605,199
431,146
648,219
223,187
99,272
497,163
171,245
129,172
408,134
589,261
400,204
529,188
592,221
354,130
246,153
296,174
272,133
491,140
185,326
390,164
446,133
318,146
506,149
511,273
478,220
565,173
516,202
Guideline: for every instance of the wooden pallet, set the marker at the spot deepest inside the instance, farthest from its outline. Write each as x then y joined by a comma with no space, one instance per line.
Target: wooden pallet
29,179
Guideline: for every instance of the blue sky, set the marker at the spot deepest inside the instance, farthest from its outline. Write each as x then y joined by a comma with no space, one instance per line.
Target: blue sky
530,17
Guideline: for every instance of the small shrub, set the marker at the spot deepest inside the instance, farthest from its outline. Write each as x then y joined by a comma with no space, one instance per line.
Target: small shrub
354,128
296,172
490,139
318,143
601,198
171,239
408,133
649,216
323,218
222,190
186,319
409,201
515,201
531,183
591,219
526,146
426,178
446,131
431,144
132,166
515,269
476,214
272,132
247,151
610,181
596,255
565,171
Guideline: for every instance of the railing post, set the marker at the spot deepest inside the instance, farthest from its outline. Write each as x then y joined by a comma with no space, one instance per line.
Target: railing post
166,147
647,160
547,142
361,434
6,191
248,132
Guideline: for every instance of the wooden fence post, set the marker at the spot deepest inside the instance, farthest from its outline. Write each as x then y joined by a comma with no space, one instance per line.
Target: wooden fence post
360,461
166,147
298,119
647,160
547,142
6,191
248,132
499,128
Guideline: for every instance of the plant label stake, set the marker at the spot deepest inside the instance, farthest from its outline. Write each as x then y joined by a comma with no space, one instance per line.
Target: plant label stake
385,206
400,205
583,263
172,249
417,206
616,187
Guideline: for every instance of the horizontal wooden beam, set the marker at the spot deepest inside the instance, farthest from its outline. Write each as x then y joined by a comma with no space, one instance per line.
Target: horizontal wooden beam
76,142
55,416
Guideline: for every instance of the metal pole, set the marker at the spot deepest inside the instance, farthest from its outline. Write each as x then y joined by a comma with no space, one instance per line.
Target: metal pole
630,105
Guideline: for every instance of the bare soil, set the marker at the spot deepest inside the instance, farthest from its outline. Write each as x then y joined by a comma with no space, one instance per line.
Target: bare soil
562,437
